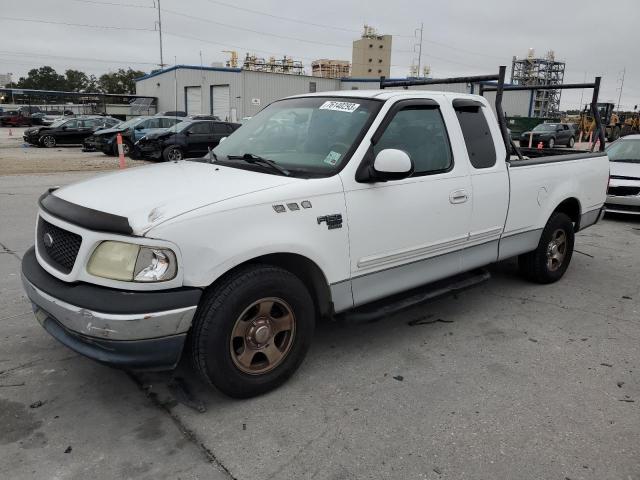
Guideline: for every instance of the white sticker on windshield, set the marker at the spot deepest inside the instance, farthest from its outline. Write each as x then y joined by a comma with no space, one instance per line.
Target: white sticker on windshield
347,107
332,158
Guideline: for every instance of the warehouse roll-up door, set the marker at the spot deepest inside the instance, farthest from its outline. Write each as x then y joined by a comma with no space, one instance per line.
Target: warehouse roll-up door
220,101
194,100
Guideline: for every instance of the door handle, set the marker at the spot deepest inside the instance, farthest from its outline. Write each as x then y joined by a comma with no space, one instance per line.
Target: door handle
458,196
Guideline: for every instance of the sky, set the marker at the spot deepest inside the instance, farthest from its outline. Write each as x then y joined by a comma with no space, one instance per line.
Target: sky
460,37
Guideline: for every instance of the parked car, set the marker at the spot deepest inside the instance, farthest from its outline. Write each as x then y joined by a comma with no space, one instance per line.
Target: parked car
623,195
172,113
36,118
15,118
364,196
52,116
131,131
186,139
551,135
89,145
66,131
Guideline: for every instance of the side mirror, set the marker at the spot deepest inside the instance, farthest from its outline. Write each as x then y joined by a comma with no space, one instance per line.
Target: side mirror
392,164
64,127
139,127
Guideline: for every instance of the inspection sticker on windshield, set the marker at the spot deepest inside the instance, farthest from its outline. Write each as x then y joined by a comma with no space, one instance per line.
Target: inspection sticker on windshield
332,158
347,107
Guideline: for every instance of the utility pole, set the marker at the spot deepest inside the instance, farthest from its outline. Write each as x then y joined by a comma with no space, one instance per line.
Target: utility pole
419,48
162,64
624,71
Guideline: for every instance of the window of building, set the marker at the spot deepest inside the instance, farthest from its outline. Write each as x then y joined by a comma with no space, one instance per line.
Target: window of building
369,70
370,60
379,60
354,88
380,46
379,71
312,87
477,137
420,132
371,45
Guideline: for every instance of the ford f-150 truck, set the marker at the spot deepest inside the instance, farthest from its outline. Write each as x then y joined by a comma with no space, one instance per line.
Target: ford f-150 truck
321,204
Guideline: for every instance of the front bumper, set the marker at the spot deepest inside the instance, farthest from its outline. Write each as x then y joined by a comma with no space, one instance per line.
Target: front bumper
125,329
148,150
628,204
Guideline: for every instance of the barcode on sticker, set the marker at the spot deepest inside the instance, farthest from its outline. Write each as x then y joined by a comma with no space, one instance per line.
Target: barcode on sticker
340,106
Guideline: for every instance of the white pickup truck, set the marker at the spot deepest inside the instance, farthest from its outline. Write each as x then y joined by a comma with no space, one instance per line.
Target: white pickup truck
319,204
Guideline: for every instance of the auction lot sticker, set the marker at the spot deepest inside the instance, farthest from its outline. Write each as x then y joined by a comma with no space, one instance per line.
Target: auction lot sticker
347,107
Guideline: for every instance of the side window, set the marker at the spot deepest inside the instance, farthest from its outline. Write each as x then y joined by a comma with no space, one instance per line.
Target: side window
154,123
420,132
71,124
201,128
169,122
220,128
477,136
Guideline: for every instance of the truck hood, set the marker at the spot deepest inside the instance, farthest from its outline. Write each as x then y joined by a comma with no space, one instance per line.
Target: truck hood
625,169
150,195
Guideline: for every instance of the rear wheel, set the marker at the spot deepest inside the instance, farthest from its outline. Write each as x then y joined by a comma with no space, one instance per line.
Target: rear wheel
172,154
552,142
252,331
548,262
48,141
572,142
126,148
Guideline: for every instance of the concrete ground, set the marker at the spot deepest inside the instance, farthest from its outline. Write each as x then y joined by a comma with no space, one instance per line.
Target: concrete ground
506,380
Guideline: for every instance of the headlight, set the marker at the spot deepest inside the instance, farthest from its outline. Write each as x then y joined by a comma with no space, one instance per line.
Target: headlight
132,263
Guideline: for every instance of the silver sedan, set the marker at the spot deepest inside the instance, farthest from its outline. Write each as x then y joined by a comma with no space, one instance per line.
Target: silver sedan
623,195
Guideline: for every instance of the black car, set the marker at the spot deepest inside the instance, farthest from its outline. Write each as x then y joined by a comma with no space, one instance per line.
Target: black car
550,134
188,139
66,131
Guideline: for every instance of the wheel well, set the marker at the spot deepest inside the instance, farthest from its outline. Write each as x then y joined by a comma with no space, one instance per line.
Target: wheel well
306,270
571,207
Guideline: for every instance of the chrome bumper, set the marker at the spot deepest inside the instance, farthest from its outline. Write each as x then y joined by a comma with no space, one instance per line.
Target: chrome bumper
139,326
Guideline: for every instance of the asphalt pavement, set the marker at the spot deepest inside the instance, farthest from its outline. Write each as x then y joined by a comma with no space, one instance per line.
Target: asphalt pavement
505,380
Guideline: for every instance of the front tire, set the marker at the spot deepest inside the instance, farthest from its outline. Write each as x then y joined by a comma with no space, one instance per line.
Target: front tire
572,142
552,142
252,331
548,262
48,141
172,154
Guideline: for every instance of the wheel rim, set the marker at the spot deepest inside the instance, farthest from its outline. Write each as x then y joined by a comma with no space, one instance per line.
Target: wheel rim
262,336
125,148
174,154
571,142
551,142
49,141
556,250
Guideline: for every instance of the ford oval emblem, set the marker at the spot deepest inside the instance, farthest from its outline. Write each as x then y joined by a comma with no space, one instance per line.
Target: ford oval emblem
48,240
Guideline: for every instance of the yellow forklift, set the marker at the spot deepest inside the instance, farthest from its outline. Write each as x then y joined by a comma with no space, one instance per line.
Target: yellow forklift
615,125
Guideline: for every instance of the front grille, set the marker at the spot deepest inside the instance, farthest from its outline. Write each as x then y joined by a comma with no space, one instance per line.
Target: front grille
624,191
57,246
626,208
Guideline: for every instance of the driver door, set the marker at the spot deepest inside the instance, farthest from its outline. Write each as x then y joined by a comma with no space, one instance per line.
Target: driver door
409,232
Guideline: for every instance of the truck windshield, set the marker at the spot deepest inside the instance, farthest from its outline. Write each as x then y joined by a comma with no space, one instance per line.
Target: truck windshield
309,136
624,151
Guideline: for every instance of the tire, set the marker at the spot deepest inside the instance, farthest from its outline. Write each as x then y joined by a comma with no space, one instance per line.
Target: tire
230,321
551,143
572,142
546,264
126,148
48,141
172,154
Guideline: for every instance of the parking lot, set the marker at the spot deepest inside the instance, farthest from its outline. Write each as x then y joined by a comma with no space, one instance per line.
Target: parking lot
505,380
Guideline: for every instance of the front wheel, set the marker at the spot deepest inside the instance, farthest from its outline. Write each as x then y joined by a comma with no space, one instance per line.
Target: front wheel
548,262
48,141
572,142
252,331
552,142
172,154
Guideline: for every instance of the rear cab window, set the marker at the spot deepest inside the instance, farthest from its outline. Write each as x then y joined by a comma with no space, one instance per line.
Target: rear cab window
476,133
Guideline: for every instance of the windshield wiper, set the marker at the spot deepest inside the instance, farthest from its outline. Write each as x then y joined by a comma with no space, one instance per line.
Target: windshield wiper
252,158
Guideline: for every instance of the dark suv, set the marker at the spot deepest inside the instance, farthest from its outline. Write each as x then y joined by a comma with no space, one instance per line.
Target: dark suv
66,131
188,139
550,135
131,131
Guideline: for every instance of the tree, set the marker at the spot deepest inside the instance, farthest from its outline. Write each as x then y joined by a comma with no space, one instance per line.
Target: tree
121,81
76,81
43,78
